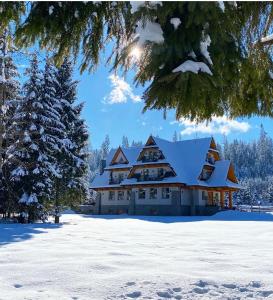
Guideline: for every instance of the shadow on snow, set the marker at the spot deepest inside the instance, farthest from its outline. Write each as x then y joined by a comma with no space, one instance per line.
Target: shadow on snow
11,233
221,216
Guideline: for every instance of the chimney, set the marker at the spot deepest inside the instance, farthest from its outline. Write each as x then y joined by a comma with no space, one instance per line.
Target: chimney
102,166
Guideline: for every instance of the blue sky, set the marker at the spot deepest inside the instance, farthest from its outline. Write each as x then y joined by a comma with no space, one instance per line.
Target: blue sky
106,114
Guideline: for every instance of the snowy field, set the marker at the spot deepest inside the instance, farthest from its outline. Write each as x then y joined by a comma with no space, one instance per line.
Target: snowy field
227,256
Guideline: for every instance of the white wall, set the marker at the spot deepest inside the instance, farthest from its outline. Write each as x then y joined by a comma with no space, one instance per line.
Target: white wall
105,198
158,201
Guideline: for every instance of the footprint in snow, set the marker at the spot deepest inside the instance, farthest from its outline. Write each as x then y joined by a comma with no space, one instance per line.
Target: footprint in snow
17,285
265,293
130,283
255,284
201,283
199,290
134,294
229,285
164,294
177,290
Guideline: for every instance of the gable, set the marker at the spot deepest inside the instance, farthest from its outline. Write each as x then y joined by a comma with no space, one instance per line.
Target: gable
150,141
119,158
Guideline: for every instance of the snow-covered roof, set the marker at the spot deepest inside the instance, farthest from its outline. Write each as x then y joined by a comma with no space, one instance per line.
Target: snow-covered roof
187,158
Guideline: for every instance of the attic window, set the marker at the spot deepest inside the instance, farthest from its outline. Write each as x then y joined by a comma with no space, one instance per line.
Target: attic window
205,175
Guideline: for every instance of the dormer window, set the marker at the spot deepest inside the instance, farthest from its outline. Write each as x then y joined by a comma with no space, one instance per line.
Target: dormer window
205,174
210,158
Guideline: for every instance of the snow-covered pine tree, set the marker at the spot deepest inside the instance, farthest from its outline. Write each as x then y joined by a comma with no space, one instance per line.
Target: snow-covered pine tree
105,147
125,141
32,163
72,188
9,97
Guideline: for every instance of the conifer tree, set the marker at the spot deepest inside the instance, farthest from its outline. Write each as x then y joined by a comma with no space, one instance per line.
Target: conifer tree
72,161
32,163
199,58
125,142
9,97
105,147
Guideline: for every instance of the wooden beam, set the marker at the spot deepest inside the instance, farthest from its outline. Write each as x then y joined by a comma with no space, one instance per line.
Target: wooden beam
210,198
222,199
230,204
118,169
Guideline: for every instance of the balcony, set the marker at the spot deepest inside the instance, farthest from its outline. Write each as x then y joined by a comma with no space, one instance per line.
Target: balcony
140,177
152,158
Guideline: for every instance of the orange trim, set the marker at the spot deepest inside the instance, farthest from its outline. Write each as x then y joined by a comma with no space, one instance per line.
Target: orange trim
210,198
231,174
118,169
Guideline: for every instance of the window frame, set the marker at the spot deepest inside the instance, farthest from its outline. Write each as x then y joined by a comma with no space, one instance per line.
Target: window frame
141,191
154,194
120,192
164,194
113,194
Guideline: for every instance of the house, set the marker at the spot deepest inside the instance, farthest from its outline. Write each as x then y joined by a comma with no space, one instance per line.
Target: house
165,178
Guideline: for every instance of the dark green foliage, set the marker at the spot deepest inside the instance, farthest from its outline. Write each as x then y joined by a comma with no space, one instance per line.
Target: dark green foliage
240,84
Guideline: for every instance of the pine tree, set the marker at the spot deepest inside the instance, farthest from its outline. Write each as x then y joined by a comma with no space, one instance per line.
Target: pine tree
32,163
136,144
9,97
125,142
105,147
72,162
199,58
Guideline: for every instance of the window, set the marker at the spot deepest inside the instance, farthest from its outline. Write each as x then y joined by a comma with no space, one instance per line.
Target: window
160,172
153,193
205,195
129,195
120,195
166,193
216,198
111,195
120,177
141,194
206,174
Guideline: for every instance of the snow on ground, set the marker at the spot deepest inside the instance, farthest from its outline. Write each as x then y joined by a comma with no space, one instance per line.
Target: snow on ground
226,256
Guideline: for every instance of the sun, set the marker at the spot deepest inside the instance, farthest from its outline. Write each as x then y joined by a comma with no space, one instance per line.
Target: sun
136,53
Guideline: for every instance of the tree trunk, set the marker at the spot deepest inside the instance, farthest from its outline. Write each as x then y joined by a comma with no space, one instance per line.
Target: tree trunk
57,220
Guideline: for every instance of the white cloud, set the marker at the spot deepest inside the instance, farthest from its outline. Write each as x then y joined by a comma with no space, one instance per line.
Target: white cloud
222,125
121,91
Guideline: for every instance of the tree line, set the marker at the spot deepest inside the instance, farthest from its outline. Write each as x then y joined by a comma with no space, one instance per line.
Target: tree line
253,163
43,139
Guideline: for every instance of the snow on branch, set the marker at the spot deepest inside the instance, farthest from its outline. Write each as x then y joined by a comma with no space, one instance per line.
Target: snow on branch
267,39
193,66
149,31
